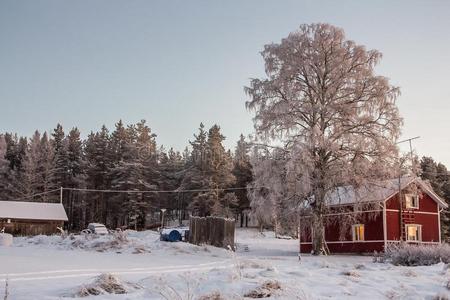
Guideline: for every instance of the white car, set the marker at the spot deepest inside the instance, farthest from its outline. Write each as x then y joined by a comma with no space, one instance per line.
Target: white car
96,228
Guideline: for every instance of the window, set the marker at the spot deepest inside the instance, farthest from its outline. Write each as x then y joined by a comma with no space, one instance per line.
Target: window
413,232
358,232
411,201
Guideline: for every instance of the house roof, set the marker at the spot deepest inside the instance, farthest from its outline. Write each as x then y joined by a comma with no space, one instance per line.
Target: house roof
32,211
378,192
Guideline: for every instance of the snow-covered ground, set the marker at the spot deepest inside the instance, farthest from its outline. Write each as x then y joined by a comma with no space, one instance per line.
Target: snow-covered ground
55,268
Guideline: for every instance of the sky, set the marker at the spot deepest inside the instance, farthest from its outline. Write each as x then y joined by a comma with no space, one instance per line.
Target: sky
178,63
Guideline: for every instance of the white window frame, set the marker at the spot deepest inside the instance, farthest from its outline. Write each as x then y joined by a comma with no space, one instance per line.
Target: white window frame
358,238
419,230
411,201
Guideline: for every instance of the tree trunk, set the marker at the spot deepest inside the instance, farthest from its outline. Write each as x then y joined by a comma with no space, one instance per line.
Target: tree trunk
318,233
319,208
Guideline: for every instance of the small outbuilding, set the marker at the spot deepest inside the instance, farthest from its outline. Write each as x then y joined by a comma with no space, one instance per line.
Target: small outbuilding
31,218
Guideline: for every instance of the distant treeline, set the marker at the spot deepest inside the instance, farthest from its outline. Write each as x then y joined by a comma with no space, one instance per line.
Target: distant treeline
127,158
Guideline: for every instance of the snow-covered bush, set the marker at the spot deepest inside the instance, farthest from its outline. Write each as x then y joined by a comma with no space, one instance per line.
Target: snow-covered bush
6,296
177,292
266,290
416,255
106,284
351,273
6,239
212,296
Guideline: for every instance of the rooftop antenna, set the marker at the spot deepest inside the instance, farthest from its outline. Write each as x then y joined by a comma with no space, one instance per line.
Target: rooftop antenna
410,149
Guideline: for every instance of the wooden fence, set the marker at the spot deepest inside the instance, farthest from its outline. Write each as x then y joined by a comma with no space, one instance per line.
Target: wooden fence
215,231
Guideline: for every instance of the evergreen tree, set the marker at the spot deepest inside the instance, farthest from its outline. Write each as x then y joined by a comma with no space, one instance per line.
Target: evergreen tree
60,162
98,167
219,161
15,154
15,150
5,171
439,178
242,170
38,170
211,169
171,170
194,174
75,179
135,171
125,160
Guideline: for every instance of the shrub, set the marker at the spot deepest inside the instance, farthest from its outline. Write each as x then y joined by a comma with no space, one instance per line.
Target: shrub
106,284
265,290
416,255
351,273
213,296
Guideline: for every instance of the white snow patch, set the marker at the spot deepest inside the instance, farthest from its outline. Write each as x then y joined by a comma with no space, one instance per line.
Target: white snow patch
47,267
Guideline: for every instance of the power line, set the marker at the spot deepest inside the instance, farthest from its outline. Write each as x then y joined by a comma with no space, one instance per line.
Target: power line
436,173
159,191
35,195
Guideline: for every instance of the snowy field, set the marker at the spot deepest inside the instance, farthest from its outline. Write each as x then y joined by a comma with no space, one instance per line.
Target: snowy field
55,268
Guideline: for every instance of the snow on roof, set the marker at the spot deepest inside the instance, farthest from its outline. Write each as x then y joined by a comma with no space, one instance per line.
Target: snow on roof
32,210
377,192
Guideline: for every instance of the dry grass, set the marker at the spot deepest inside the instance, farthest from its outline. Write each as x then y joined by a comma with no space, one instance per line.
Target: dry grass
106,284
6,289
441,296
170,292
212,296
351,273
266,290
409,273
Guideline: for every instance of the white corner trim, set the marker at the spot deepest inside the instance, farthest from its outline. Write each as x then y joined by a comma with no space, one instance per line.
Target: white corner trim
415,212
439,223
384,225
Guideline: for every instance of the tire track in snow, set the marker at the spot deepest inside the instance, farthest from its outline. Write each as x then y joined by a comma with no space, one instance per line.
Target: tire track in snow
128,271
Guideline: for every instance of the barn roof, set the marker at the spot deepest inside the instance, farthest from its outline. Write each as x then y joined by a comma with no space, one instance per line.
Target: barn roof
32,211
378,192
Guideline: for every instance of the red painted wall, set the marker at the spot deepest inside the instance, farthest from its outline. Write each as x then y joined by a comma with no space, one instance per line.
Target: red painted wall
373,231
429,222
426,203
393,225
374,228
347,247
430,227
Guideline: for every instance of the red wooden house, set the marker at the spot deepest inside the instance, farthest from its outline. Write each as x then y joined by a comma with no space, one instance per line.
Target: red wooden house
416,220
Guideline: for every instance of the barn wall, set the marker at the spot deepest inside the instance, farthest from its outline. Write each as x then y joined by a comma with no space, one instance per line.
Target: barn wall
393,225
426,215
393,203
373,231
426,203
30,227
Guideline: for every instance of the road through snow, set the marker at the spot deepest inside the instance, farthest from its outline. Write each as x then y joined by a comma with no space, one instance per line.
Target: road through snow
60,274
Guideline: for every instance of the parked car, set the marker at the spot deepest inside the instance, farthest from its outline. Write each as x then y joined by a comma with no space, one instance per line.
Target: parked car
96,228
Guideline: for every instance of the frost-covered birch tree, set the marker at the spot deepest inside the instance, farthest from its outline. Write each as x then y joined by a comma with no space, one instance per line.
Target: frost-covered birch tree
334,117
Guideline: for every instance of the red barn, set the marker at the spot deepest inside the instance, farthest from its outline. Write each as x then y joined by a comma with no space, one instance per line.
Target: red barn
383,220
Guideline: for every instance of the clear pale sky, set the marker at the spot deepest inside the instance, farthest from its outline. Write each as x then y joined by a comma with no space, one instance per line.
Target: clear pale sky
177,63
